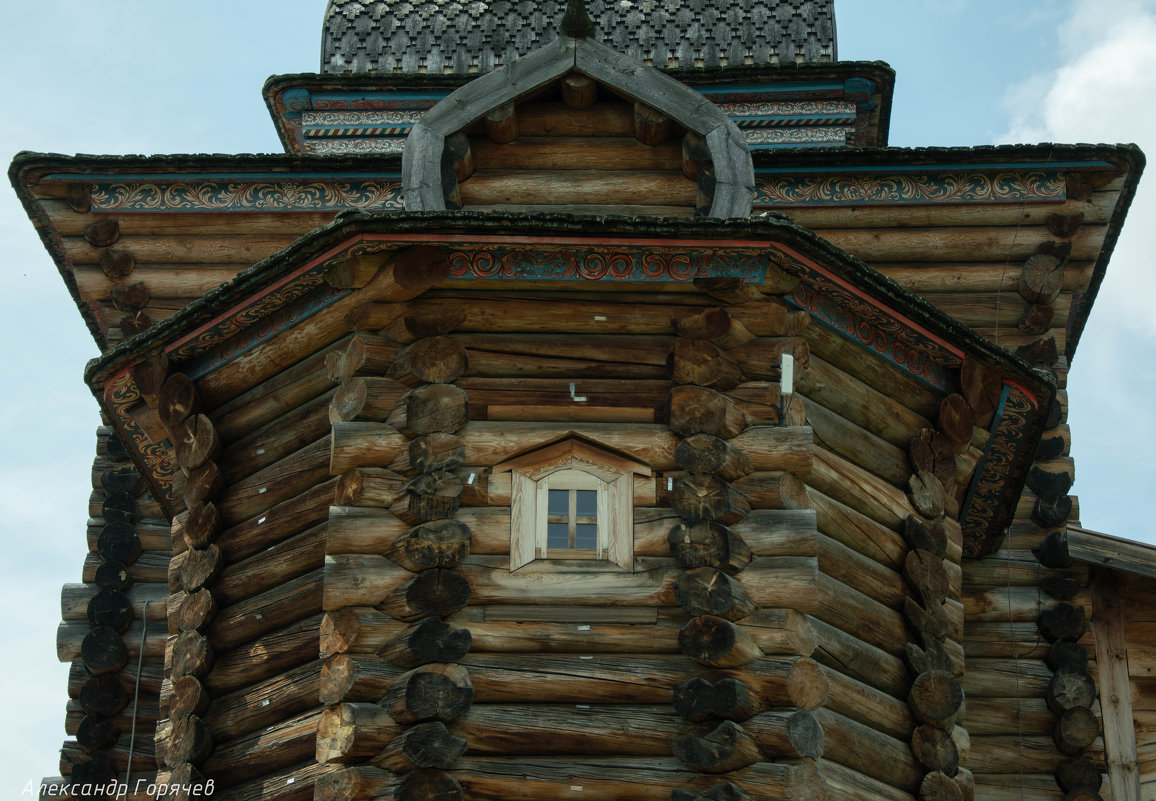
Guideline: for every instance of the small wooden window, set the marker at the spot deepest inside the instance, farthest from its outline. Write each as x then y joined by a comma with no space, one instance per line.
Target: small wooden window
571,518
571,500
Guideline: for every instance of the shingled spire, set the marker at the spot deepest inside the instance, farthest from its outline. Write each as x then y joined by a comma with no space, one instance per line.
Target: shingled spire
478,36
576,23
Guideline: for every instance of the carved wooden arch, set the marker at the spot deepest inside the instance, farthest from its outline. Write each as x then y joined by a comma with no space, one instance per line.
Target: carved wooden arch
422,157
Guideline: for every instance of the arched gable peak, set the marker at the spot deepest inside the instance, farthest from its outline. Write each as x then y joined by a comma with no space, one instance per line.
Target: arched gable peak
424,148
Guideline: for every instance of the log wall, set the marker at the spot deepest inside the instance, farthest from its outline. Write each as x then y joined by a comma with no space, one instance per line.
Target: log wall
1031,653
240,700
113,627
447,672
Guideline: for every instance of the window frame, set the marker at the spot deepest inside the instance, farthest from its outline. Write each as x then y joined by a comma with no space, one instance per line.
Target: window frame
529,492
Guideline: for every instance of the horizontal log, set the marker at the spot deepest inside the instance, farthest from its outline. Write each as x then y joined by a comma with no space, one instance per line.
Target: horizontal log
846,784
357,783
850,610
1015,754
874,372
99,696
70,636
1013,604
278,523
369,486
351,732
152,536
262,752
362,445
269,610
867,705
259,659
427,641
577,186
284,391
151,567
277,439
280,481
147,714
1006,678
1009,716
615,779
75,599
142,750
850,484
866,663
294,783
1013,787
567,153
860,446
958,243
355,677
868,751
357,630
264,703
1018,568
618,314
547,729
289,348
857,531
280,563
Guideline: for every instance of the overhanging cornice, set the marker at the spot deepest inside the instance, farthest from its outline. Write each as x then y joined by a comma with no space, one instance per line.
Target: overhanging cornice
867,309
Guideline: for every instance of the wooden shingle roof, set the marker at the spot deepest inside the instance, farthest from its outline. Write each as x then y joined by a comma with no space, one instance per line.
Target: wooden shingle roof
458,36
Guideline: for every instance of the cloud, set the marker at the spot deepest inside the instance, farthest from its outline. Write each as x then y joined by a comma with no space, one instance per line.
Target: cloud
1103,92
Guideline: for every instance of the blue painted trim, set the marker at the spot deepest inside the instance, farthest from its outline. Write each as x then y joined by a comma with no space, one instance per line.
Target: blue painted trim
1051,166
845,119
776,88
782,145
275,177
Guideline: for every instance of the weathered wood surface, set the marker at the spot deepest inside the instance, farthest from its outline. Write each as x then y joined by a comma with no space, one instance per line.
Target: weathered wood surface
846,653
264,703
266,611
610,778
868,751
262,752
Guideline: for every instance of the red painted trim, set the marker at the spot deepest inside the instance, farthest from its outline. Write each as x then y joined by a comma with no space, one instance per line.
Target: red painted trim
868,299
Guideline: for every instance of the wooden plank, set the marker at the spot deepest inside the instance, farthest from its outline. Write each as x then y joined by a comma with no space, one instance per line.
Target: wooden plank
1113,552
1115,695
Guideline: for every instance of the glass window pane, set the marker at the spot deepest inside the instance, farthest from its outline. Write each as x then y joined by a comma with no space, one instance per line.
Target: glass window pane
557,535
586,537
559,503
587,503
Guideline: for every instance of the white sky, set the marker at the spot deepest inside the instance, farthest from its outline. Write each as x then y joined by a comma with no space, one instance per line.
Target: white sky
148,77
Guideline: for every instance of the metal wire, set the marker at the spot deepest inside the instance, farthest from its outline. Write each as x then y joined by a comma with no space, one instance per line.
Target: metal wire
136,689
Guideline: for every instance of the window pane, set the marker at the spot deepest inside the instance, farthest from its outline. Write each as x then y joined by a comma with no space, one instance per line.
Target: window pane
587,503
557,535
559,503
586,537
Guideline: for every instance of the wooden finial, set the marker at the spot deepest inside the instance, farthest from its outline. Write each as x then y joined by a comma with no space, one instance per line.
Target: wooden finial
576,23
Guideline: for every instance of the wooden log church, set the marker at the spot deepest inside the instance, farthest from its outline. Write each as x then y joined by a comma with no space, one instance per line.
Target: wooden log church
590,406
